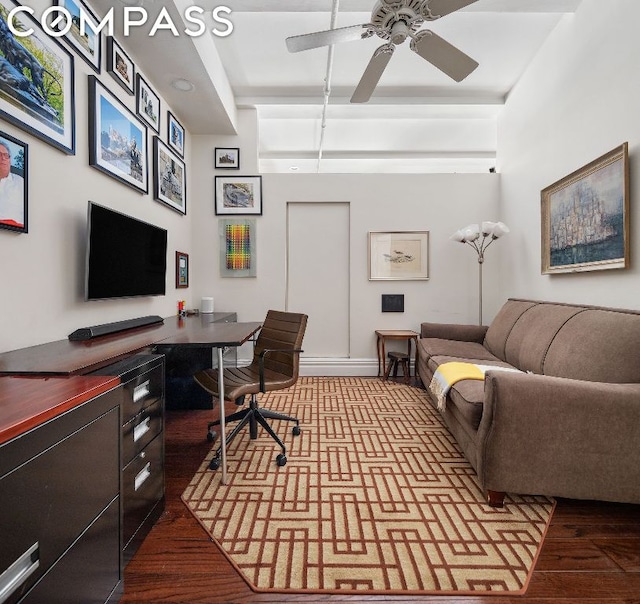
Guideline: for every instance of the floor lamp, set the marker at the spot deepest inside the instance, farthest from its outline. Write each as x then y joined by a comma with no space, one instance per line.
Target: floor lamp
480,237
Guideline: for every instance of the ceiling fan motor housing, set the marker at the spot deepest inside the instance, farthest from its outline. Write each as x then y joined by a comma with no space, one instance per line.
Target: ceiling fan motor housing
394,20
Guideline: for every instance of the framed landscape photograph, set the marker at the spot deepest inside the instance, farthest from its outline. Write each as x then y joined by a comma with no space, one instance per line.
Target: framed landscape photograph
169,177
147,103
117,139
238,195
227,158
401,255
585,217
37,76
14,179
88,46
175,134
120,66
182,270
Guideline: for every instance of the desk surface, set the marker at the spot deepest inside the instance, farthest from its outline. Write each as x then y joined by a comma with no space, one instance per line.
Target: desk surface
66,357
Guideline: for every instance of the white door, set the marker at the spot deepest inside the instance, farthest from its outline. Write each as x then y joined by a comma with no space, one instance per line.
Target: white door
318,275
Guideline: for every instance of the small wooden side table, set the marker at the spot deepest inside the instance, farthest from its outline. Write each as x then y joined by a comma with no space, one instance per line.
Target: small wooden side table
394,334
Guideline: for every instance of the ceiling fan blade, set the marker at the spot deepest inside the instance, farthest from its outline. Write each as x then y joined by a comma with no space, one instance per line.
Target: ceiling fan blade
440,8
446,57
328,37
372,73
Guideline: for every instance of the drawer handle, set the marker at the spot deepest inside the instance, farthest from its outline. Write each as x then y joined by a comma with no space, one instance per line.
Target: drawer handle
141,477
19,571
140,430
141,391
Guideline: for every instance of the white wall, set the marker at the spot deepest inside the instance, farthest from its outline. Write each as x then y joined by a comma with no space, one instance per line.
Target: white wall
577,101
42,271
380,202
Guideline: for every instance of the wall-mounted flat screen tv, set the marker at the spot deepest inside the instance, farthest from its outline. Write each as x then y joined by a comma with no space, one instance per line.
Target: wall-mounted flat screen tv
126,257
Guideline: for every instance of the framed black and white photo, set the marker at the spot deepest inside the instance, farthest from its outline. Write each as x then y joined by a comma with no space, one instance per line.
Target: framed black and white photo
14,163
238,195
175,134
89,45
117,138
36,81
147,103
227,158
120,66
169,177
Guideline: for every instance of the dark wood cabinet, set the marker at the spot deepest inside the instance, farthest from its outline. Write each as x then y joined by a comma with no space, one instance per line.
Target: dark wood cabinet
60,492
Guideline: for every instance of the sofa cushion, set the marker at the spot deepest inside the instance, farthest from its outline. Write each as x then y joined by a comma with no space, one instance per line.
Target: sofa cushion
496,338
533,332
597,345
430,347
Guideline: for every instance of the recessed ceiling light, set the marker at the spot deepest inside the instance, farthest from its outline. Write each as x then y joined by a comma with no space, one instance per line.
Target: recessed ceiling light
293,168
183,85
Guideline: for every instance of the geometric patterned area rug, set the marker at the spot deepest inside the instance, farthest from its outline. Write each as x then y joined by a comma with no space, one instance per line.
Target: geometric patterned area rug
375,497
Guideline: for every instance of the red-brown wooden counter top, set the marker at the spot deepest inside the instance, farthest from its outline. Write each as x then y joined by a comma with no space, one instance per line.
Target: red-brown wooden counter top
26,402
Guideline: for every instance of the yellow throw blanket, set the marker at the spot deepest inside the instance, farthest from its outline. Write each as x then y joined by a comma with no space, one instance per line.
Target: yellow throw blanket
448,374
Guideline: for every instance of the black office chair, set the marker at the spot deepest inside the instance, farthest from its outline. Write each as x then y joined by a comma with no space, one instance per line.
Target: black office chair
275,365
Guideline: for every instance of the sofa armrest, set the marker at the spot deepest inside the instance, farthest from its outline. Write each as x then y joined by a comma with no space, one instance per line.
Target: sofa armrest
453,331
546,435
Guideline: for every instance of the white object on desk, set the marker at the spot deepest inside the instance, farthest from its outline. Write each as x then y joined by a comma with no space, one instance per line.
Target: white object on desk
206,306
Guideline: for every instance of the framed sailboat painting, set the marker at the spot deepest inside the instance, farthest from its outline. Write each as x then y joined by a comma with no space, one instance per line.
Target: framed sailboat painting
585,217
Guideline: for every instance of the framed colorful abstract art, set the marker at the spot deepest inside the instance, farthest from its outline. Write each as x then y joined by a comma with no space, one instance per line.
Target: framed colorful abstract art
237,247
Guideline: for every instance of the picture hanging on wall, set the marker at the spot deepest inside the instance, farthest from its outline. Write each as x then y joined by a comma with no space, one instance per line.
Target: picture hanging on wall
120,66
585,217
238,247
89,45
402,255
117,139
175,134
169,177
227,158
182,270
36,81
14,163
238,195
147,103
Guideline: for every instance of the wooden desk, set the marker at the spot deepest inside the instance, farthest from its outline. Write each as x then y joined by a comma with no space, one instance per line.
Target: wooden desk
394,334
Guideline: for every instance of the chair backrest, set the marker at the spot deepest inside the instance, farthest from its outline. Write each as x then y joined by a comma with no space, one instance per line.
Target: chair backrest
281,330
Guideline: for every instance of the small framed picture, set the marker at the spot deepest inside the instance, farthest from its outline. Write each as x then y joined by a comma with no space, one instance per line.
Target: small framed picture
398,255
227,158
87,44
147,103
117,138
170,178
238,195
120,66
182,270
14,161
175,134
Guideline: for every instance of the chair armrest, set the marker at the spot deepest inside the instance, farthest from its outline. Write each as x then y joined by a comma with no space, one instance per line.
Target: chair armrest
454,331
560,437
266,351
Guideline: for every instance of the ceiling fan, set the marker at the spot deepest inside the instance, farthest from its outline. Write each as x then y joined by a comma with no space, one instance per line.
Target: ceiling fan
395,21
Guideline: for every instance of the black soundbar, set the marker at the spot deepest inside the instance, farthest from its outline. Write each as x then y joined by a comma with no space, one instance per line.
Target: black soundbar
87,333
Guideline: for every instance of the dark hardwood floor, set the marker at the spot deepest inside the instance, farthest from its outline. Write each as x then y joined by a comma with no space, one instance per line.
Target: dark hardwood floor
591,554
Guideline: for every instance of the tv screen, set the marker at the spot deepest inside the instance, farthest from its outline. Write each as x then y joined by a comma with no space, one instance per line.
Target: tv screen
126,257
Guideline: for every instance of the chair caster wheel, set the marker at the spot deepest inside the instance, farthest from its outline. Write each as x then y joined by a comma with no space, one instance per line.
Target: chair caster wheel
214,464
281,459
296,430
211,435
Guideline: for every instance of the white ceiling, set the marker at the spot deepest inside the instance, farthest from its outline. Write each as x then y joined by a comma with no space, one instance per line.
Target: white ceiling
418,120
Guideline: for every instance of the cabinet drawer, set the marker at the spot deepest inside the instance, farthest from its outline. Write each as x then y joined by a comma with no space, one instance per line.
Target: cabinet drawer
140,431
141,392
142,486
89,571
53,497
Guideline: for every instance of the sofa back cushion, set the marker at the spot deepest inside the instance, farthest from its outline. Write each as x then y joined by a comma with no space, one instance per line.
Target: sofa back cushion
599,345
533,333
496,337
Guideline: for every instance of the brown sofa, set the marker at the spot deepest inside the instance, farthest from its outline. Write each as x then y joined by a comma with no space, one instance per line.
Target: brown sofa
569,424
